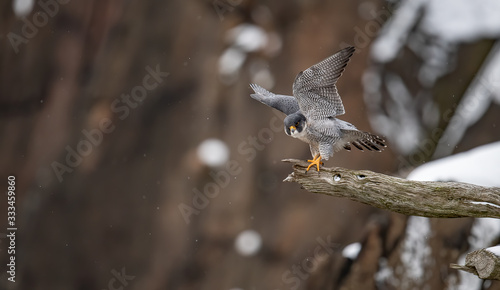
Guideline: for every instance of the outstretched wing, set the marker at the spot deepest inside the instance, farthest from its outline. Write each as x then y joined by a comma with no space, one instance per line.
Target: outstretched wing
285,104
315,88
360,140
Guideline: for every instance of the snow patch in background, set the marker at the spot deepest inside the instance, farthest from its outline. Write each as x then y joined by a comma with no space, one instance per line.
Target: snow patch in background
396,31
351,251
449,20
462,20
264,78
247,37
244,39
477,166
495,250
23,7
230,63
384,275
431,30
260,74
416,253
403,107
213,152
484,231
484,90
248,243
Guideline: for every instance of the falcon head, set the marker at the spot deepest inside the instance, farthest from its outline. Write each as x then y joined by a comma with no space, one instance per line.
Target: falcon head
295,124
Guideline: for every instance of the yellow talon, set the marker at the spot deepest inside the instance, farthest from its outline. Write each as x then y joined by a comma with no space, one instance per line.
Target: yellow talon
316,161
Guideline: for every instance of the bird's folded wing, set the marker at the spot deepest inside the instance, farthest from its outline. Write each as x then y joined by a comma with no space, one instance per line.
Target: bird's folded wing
315,87
283,103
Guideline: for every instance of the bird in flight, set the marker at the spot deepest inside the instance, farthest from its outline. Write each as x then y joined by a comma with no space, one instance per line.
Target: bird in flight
313,108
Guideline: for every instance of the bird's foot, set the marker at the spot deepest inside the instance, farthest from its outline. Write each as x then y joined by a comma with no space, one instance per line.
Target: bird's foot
316,161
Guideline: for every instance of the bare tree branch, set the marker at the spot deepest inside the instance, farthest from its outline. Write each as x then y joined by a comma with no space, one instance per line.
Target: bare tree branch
482,263
419,198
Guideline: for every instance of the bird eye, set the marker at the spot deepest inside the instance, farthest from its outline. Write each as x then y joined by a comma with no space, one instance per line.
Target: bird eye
297,124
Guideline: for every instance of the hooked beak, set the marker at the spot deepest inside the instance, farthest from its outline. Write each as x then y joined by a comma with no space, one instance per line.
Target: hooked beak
292,129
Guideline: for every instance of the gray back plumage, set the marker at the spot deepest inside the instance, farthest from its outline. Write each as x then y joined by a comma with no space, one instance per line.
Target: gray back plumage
315,88
283,103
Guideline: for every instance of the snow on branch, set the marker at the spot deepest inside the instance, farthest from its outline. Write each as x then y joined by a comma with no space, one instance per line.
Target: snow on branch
419,198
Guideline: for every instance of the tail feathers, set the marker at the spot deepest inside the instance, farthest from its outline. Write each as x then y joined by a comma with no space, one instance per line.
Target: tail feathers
367,141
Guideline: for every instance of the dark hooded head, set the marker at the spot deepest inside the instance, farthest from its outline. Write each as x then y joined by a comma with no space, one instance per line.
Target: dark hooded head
294,124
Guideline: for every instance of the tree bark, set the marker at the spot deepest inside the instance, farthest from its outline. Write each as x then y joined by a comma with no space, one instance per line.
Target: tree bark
482,263
419,198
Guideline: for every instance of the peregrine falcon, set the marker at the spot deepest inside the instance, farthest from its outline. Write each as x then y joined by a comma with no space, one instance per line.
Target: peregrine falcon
312,110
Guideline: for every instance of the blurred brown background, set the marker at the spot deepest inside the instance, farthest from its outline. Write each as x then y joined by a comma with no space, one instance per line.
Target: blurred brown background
104,106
